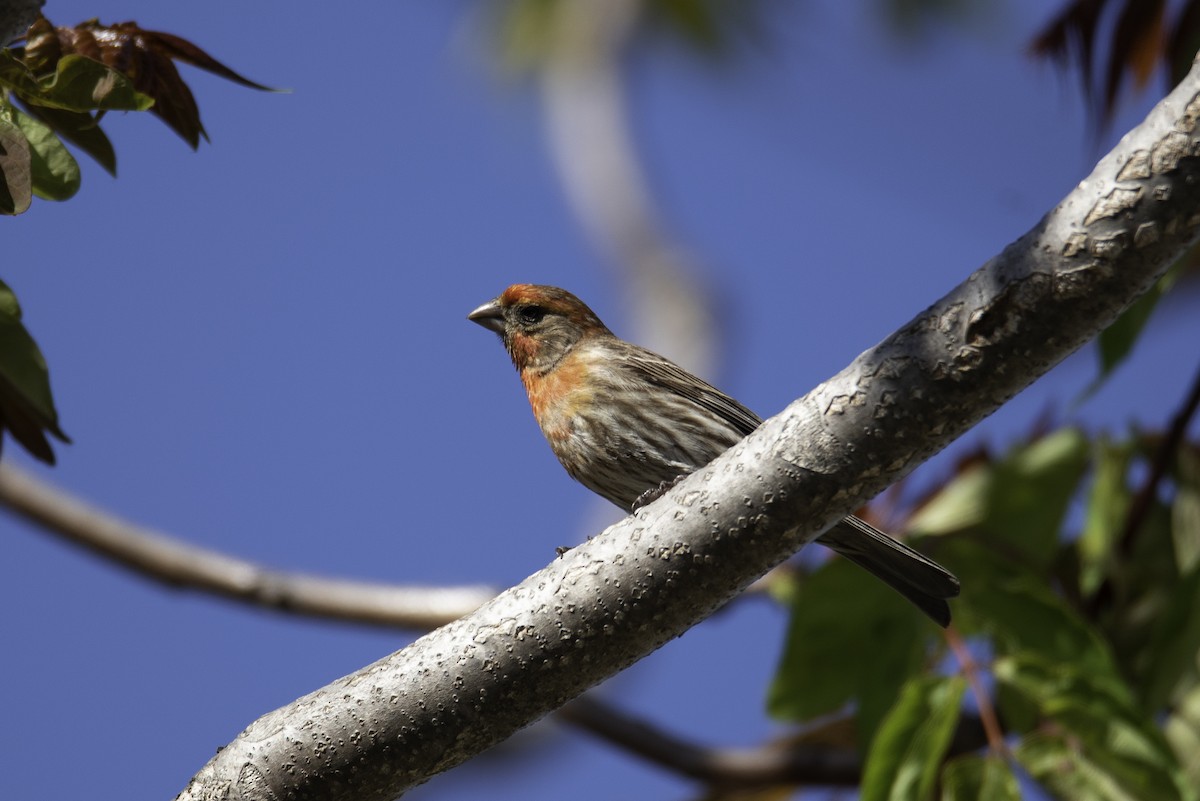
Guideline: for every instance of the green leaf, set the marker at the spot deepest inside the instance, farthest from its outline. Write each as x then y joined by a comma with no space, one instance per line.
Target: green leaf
1033,487
1024,615
524,31
1185,511
1067,772
1168,664
849,638
694,21
1107,510
1183,733
1116,342
975,778
912,740
80,84
54,170
1114,738
81,129
532,34
14,74
962,504
26,406
1145,587
16,188
1019,501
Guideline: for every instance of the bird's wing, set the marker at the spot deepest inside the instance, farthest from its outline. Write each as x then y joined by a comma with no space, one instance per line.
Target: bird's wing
667,374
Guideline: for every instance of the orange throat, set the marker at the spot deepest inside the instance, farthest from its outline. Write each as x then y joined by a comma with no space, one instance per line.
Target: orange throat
557,395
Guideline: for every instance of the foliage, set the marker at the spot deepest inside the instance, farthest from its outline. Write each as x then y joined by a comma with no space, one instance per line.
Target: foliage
529,36
57,88
1079,553
1085,600
61,83
1142,36
26,408
1079,556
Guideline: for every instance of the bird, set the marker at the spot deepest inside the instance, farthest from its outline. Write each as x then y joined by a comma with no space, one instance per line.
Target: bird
627,423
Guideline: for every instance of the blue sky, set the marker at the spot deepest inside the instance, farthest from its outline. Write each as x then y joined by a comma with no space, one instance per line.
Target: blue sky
261,347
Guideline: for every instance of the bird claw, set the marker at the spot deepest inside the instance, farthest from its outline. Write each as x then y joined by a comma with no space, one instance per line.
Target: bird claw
654,493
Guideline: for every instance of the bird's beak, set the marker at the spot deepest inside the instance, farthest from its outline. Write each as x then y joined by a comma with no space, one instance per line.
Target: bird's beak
490,316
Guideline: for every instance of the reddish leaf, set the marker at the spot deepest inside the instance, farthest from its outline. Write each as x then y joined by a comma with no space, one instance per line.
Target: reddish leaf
1073,32
1142,36
1184,42
185,51
1136,46
145,57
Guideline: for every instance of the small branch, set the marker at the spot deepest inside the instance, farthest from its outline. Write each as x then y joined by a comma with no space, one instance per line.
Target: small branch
179,565
786,762
1163,460
771,764
158,557
591,139
1142,503
168,561
987,712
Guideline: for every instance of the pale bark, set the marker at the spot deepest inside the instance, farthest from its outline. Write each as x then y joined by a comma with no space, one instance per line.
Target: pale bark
181,565
645,580
591,140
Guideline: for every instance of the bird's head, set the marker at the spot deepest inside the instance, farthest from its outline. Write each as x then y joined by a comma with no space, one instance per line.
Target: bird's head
538,324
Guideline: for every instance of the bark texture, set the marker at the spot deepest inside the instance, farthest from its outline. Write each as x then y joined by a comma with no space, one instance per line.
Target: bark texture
645,580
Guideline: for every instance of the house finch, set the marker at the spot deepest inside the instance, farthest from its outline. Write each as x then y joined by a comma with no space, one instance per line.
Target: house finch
624,422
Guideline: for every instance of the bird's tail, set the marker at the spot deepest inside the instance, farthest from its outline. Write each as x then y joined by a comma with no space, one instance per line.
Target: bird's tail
919,579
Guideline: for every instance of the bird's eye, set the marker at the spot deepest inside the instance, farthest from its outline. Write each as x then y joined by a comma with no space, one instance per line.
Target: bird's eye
531,315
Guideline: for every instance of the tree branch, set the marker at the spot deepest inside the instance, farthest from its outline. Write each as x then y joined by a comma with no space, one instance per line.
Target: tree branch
179,565
645,580
168,561
787,762
771,764
988,720
583,91
176,564
1163,460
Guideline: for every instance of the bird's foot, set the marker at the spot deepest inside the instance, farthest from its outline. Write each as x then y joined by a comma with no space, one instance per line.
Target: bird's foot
654,493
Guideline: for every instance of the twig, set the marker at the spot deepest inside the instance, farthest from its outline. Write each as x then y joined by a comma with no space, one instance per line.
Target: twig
177,564
742,767
1163,460
987,712
786,762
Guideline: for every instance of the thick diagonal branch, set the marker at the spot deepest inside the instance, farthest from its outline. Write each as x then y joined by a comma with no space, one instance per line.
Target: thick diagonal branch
616,598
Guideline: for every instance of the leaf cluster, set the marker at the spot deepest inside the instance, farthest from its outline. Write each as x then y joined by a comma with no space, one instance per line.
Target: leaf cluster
58,87
26,407
1082,618
1141,36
